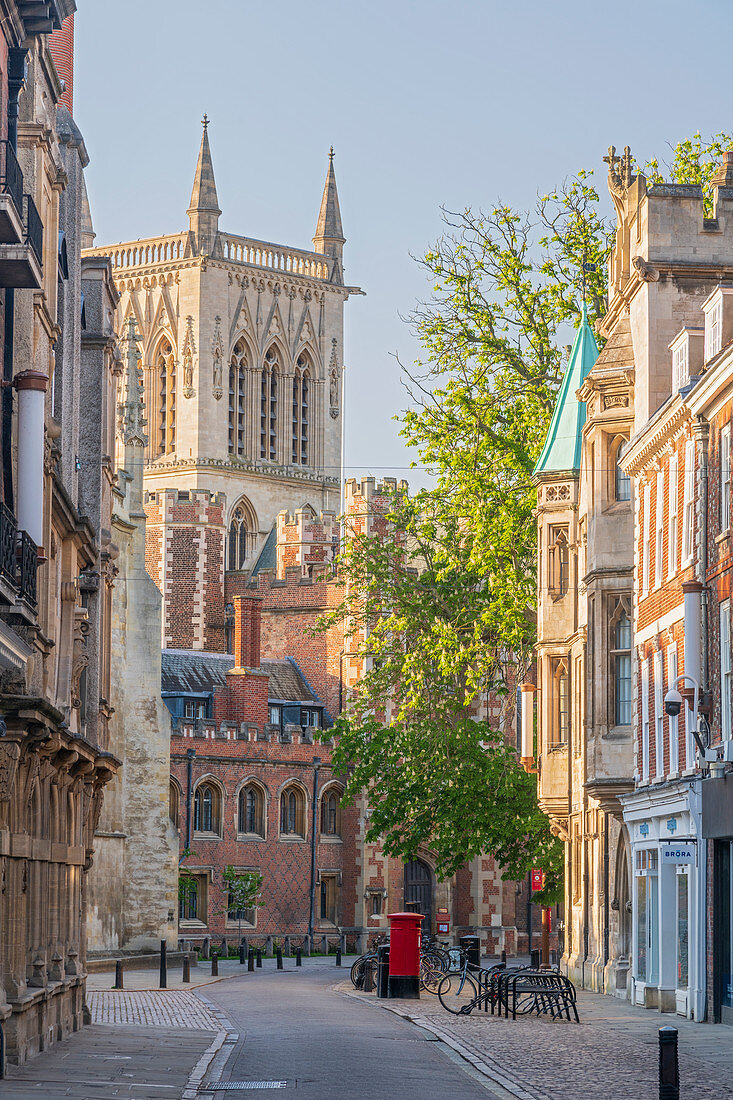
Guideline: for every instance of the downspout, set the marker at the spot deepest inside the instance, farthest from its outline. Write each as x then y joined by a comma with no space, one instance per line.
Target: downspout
606,887
314,824
702,428
190,754
16,79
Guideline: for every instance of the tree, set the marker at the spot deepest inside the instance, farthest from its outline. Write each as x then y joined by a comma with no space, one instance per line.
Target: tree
446,591
244,891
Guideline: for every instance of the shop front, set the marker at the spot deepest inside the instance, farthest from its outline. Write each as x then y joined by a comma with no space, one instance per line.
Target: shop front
717,828
669,877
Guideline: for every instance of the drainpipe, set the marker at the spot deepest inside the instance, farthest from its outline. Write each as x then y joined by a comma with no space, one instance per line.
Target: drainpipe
702,431
606,913
314,824
190,753
16,79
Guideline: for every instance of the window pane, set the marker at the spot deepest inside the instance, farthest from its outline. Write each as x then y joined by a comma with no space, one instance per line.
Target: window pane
641,930
682,922
623,689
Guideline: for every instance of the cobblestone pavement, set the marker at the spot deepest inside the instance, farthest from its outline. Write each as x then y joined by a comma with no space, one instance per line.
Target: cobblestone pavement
612,1054
163,1008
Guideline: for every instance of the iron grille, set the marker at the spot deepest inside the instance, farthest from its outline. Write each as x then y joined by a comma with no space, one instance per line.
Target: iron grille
11,180
28,569
33,228
241,1086
8,539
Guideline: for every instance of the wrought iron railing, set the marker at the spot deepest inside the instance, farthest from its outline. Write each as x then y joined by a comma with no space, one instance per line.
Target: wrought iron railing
33,228
8,540
28,555
11,180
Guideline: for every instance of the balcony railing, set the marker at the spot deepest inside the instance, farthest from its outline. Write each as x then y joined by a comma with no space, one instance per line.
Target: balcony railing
11,180
28,563
33,228
8,540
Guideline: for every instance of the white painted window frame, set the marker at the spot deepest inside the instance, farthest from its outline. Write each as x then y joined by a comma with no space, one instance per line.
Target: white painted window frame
659,712
688,504
725,477
672,514
659,535
673,722
646,539
725,671
645,720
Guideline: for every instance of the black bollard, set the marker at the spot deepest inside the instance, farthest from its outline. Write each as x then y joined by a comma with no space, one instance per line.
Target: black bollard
669,1070
251,960
242,954
338,956
163,965
214,964
299,956
119,981
186,968
279,957
503,958
259,958
368,985
383,970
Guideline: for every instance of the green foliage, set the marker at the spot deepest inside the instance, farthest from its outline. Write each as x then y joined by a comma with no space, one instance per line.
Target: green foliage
243,889
693,161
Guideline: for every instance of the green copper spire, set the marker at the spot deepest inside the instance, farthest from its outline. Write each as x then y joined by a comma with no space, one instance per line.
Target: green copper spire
562,447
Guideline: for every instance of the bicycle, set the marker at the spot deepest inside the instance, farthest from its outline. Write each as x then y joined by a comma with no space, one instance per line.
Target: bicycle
460,991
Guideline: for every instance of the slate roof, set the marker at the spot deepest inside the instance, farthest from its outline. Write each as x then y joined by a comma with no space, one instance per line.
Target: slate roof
194,672
561,451
267,558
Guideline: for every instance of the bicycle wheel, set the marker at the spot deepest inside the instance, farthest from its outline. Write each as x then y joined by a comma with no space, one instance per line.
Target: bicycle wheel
432,969
357,972
458,993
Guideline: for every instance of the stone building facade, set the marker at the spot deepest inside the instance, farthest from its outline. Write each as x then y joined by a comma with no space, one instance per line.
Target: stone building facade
55,758
242,345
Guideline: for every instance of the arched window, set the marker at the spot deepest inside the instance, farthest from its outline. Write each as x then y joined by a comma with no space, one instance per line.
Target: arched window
331,814
622,482
301,397
173,803
251,810
559,563
206,809
268,406
560,732
238,539
292,812
165,373
237,380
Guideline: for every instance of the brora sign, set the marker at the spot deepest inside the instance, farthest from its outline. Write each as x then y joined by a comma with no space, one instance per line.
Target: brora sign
678,852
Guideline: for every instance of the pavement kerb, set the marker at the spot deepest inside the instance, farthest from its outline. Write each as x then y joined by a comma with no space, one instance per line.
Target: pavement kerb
490,1072
226,1034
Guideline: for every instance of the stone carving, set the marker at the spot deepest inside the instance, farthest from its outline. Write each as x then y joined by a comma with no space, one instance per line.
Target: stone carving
130,420
647,271
189,353
9,757
217,348
615,401
80,655
334,379
620,177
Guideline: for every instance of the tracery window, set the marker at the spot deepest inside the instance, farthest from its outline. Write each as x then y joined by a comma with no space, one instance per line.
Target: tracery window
237,406
165,371
301,397
561,696
268,406
238,539
292,812
206,809
251,810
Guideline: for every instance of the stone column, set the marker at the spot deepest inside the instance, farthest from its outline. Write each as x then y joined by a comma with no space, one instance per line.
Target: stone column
31,386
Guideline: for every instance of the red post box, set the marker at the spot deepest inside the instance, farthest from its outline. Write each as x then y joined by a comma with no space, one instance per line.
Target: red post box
442,922
404,955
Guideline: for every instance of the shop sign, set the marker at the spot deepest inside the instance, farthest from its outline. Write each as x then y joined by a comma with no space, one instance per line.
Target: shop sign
681,852
538,880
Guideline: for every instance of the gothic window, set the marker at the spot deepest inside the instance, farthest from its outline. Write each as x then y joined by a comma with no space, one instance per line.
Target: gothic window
192,898
173,803
165,373
252,810
559,563
330,814
621,666
237,381
622,484
207,809
238,539
268,406
329,898
561,703
292,812
301,397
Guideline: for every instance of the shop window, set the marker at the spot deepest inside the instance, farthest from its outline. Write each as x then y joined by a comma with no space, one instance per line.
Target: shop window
329,898
683,917
647,917
292,812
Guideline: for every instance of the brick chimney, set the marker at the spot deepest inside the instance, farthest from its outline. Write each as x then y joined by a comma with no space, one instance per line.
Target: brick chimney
247,626
61,46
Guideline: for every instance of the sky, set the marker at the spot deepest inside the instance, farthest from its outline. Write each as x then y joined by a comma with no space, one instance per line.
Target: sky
428,103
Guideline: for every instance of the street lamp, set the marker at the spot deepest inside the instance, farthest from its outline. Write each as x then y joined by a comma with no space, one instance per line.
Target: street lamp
314,824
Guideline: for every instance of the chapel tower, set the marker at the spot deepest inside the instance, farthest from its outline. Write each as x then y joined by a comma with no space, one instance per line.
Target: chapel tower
242,357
